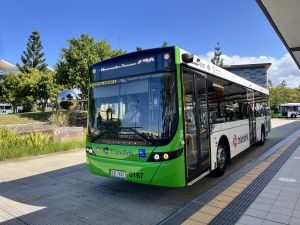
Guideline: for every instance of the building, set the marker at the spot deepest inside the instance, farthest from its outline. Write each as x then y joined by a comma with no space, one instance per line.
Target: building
6,67
256,73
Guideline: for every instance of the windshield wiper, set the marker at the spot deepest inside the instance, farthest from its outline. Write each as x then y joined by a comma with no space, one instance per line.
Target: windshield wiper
143,136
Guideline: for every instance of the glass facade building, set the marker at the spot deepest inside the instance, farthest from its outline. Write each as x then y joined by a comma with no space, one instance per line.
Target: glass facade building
256,73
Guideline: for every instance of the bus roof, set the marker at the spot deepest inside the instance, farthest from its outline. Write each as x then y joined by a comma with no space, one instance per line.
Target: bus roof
290,104
208,67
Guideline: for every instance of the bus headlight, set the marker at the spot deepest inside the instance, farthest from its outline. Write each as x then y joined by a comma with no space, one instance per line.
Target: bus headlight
164,156
156,157
89,150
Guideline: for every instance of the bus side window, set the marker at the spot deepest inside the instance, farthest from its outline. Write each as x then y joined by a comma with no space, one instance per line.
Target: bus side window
216,101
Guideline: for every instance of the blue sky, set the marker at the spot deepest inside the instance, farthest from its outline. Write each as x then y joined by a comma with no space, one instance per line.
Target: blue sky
196,26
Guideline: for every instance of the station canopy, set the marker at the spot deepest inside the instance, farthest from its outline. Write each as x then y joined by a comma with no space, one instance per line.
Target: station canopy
284,15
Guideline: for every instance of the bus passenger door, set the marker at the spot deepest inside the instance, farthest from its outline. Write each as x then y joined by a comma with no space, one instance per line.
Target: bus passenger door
252,118
196,124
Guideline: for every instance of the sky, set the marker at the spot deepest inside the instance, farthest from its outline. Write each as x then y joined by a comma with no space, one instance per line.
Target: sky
244,33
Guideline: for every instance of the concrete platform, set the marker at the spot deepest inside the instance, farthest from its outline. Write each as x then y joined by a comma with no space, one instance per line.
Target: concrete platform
266,192
279,201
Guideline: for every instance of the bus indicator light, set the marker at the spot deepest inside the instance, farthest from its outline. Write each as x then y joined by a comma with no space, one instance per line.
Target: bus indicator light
156,157
166,156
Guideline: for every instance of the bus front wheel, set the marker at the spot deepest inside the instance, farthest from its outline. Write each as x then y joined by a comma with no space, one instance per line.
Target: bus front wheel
221,161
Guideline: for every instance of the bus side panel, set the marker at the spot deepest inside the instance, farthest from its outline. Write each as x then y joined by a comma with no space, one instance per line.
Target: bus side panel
268,125
260,121
237,134
171,173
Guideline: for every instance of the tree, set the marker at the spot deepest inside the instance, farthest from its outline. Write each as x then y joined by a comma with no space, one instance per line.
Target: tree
217,60
283,84
139,48
9,89
165,44
73,65
28,89
33,57
270,83
39,87
282,94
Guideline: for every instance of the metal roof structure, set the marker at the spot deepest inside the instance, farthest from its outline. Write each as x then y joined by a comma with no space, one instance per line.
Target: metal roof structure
265,65
284,16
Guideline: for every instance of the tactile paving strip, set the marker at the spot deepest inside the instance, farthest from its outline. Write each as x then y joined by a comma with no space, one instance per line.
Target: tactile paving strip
233,211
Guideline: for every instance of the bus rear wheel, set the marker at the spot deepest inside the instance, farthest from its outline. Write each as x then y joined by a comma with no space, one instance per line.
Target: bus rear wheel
221,161
293,116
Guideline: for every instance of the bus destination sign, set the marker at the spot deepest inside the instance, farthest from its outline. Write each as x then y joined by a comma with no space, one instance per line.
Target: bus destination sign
133,64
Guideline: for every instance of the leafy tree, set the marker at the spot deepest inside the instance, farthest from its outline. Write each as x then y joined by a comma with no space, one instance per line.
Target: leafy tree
33,57
73,65
28,89
39,87
117,52
270,83
9,89
165,44
217,60
139,48
283,84
282,94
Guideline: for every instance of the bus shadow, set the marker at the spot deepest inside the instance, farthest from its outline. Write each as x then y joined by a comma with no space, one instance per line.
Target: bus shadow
74,196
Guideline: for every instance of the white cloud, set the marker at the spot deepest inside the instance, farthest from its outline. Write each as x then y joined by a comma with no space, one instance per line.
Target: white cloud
281,69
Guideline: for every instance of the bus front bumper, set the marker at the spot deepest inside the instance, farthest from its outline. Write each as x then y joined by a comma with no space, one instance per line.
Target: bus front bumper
168,173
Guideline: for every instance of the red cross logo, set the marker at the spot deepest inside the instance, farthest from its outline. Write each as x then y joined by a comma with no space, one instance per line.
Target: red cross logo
234,141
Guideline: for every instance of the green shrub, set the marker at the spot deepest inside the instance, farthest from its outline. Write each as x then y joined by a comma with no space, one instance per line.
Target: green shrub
8,139
38,140
59,118
13,145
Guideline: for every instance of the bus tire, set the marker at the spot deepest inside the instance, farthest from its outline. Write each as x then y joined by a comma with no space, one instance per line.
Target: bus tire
263,137
221,160
293,116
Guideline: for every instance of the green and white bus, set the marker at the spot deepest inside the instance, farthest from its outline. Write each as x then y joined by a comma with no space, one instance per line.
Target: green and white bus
289,110
166,117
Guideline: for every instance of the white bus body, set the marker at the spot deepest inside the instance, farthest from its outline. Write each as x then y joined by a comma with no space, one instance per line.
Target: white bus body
6,108
242,133
290,110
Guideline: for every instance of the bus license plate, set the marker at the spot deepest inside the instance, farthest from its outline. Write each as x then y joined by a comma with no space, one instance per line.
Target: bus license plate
118,173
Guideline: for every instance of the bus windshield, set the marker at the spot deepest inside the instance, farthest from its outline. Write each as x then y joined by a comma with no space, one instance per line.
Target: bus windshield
139,110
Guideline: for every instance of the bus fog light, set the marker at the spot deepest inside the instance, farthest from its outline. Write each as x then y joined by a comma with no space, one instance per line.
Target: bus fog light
166,156
156,157
89,150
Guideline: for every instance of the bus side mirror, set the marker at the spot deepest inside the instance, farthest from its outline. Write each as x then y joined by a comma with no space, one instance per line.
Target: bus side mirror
187,57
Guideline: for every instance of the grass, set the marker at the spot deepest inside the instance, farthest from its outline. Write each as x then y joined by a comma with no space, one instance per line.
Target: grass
24,118
13,145
26,151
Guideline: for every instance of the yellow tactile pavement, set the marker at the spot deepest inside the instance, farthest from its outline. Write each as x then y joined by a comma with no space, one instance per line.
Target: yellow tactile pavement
208,212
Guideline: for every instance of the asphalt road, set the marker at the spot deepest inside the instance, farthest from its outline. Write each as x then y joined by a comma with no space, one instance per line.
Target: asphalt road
42,191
